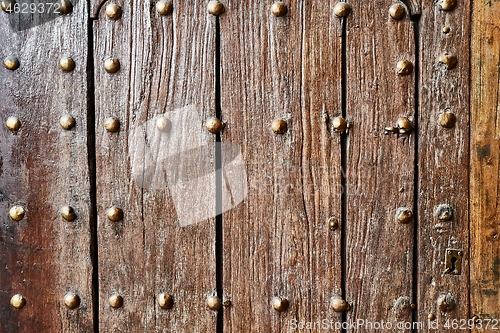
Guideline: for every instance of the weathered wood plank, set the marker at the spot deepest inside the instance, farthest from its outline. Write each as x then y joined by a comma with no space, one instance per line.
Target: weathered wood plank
166,68
484,150
277,243
443,159
380,168
43,168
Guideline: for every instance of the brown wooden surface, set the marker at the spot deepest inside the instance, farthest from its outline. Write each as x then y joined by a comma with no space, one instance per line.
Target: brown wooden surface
484,150
380,168
277,242
43,168
167,63
443,159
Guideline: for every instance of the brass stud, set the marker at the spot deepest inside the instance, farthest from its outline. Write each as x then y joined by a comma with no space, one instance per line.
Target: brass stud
112,124
404,215
163,124
279,126
404,125
215,8
65,7
342,9
339,124
71,300
114,214
444,212
67,64
113,11
164,7
214,303
447,119
450,61
333,223
279,9
11,63
404,67
67,122
446,303
280,304
18,301
13,123
115,301
226,303
446,30
214,125
111,65
165,301
397,11
431,316
448,5
68,213
8,6
16,213
338,304
413,306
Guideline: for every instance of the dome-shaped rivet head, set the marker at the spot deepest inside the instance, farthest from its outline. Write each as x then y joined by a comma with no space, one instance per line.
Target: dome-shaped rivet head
404,67
67,122
448,4
446,303
115,301
214,125
111,65
71,300
449,60
67,64
342,9
215,8
11,63
163,124
446,30
338,304
114,214
65,7
397,11
113,11
18,301
68,213
431,316
447,119
16,213
339,124
214,303
279,126
404,215
13,123
333,223
279,9
280,304
8,6
165,301
112,124
164,7
444,212
404,125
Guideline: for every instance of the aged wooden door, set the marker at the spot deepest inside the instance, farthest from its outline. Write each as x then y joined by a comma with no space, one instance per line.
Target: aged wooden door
249,166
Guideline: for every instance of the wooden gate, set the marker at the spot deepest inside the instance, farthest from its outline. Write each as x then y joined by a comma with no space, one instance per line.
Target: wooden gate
249,166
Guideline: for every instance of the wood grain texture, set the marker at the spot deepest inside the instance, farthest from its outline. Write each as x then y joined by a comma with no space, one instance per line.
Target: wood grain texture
167,67
277,242
443,159
43,168
484,150
380,168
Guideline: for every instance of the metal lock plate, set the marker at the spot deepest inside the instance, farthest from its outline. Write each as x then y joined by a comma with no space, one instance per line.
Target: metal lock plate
453,260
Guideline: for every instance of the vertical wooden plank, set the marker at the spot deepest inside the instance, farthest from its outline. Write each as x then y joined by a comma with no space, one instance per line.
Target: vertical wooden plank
166,68
277,242
380,168
43,168
443,160
484,150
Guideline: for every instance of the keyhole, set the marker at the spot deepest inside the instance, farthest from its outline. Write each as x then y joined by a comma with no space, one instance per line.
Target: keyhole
453,262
